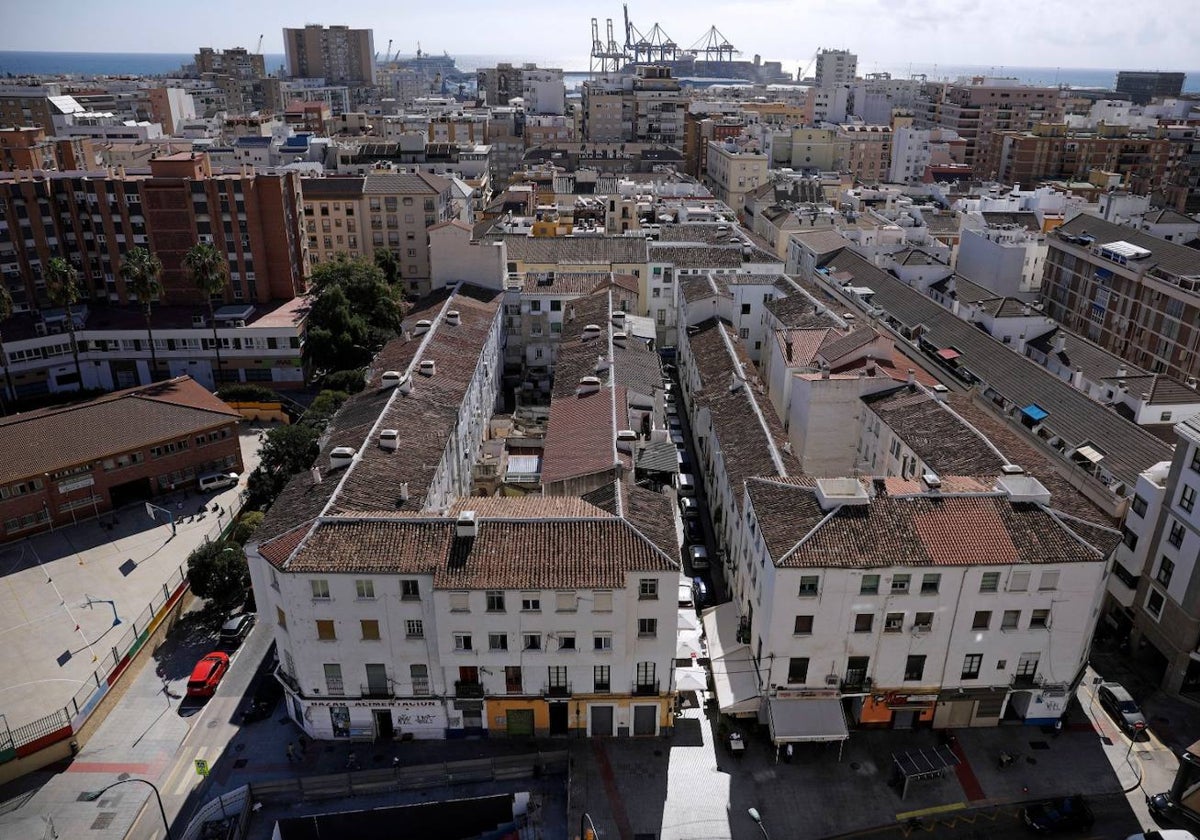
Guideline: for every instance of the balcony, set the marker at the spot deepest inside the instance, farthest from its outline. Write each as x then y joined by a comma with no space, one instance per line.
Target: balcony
856,681
376,692
557,690
645,689
468,689
1027,680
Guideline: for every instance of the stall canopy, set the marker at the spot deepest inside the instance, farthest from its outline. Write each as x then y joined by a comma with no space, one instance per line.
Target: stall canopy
688,645
735,676
806,719
691,679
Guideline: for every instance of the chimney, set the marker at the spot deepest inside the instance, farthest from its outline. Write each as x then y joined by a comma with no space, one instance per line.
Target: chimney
1077,378
1121,371
315,472
1021,344
466,527
912,377
403,492
1060,344
789,350
824,371
870,366
955,306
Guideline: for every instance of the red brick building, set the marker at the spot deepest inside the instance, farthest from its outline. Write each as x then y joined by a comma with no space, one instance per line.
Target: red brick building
78,461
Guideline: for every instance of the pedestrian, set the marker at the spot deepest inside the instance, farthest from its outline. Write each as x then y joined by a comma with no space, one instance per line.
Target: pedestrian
352,762
787,754
291,752
303,745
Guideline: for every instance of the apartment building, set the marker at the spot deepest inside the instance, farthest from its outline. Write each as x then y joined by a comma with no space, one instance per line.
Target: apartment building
1132,293
868,151
979,110
337,54
1057,152
733,172
1145,86
30,148
835,68
76,462
43,106
501,616
541,88
238,73
915,150
1007,258
648,107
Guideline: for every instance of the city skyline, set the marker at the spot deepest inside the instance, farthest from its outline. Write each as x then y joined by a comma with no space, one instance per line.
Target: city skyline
964,32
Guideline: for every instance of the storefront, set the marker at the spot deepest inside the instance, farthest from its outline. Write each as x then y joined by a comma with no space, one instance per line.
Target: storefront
370,720
898,709
965,707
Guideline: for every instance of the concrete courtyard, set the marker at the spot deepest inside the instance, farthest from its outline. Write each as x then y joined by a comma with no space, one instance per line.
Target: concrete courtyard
67,597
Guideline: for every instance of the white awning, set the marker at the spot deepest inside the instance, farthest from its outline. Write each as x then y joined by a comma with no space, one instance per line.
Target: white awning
807,719
1089,453
691,679
735,676
720,628
687,621
688,645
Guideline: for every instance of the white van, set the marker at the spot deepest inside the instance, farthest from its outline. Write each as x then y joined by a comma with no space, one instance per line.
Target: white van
685,483
217,481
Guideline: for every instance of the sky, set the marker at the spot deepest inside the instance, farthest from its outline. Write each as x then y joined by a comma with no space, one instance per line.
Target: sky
1149,34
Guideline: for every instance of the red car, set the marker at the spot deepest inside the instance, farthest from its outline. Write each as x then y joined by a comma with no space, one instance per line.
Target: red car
207,674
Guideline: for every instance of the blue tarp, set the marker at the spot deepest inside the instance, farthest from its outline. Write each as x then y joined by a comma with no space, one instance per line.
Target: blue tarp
1035,412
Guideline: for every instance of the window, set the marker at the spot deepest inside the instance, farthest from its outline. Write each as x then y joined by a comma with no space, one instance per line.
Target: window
512,679
983,620
1165,569
601,678
497,641
869,585
409,591
325,630
1048,581
893,622
863,622
495,602
990,582
745,309
281,617
647,628
564,601
1187,499
1010,620
914,667
808,586
1019,582
566,641
333,679
1195,465
1175,538
971,665
1154,603
1139,504
531,641
370,629
1130,539
900,583
602,642
602,600
419,674
798,669
803,625
364,589
414,628
556,676
648,589
531,603
460,602
463,642
1039,619
930,584
320,589
923,622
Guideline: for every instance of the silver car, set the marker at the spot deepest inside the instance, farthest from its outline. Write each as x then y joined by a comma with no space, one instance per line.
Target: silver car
1121,706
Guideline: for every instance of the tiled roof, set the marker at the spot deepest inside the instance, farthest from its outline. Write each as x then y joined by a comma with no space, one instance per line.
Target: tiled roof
1096,363
799,312
1026,220
577,250
508,553
564,282
339,186
652,514
1074,416
1172,257
965,291
697,232
751,441
918,530
838,345
637,368
939,438
697,256
821,241
414,183
915,256
38,442
1005,307
580,438
803,345
696,287
659,456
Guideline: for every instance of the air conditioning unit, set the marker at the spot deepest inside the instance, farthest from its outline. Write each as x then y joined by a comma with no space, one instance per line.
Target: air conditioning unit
922,628
831,679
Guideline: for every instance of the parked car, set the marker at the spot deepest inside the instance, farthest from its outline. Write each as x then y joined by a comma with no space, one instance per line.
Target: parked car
692,531
698,554
685,484
1119,703
1165,810
216,481
207,674
686,599
1164,834
678,439
699,591
266,697
235,629
689,507
1050,816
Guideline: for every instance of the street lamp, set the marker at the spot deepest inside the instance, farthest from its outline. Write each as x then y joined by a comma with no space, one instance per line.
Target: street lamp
93,795
757,817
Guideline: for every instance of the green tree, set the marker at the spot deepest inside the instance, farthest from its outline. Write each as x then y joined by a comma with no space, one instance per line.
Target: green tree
218,571
62,286
142,271
247,524
354,312
209,271
350,381
6,311
386,262
286,451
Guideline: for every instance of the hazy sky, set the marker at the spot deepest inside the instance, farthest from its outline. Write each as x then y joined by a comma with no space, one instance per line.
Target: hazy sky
1148,34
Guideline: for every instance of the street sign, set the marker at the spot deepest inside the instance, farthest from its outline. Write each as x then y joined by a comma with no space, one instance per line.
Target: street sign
201,767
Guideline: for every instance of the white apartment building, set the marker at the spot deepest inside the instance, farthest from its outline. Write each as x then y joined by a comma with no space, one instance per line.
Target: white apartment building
543,90
733,172
836,68
1006,259
915,149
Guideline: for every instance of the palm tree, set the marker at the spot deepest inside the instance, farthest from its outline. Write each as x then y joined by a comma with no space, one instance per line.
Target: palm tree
141,270
209,271
6,311
62,287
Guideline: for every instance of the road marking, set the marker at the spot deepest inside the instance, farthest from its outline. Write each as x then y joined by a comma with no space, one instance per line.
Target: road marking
189,778
928,812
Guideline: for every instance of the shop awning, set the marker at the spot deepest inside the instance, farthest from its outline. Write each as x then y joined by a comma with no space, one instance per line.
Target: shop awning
1089,453
688,645
807,719
1035,412
949,354
691,679
735,676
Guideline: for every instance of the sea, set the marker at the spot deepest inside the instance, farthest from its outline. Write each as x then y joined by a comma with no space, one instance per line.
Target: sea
17,63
